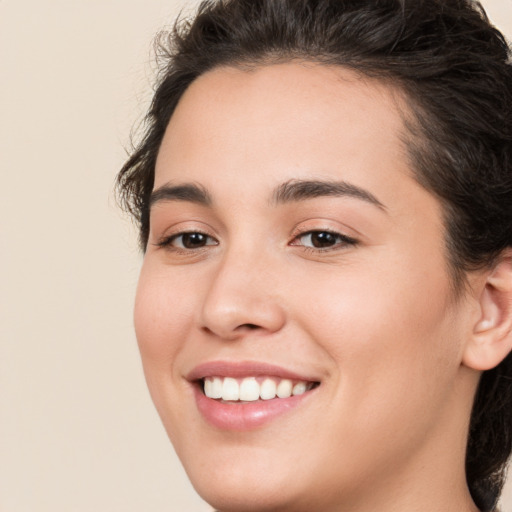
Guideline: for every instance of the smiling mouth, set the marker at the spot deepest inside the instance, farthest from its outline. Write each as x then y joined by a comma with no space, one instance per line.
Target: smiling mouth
252,389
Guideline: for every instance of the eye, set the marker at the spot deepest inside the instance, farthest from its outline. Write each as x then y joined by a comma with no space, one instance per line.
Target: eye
189,240
323,240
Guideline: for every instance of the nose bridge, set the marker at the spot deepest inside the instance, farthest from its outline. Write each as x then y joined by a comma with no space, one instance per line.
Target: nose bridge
241,295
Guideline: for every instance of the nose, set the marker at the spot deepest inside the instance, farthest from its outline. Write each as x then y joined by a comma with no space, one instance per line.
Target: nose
242,298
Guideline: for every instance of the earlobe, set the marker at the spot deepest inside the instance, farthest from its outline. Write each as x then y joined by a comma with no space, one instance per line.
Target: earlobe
491,337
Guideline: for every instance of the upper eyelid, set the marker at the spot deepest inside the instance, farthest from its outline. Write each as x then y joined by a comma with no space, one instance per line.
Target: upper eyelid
184,227
298,232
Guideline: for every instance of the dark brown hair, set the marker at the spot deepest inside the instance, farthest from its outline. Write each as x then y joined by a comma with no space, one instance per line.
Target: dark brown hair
454,68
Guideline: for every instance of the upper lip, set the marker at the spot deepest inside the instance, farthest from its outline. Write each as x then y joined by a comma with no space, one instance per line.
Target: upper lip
243,369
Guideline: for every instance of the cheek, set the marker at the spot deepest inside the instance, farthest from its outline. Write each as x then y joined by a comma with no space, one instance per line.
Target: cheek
161,317
387,336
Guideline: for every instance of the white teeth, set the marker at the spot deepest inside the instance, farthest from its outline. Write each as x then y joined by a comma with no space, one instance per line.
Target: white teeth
230,389
299,388
268,389
250,390
284,388
216,388
213,387
208,387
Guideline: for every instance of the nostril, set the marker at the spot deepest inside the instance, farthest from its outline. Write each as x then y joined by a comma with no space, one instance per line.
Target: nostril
235,333
250,326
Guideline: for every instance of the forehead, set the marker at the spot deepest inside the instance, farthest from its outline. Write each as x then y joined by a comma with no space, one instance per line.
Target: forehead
297,106
252,129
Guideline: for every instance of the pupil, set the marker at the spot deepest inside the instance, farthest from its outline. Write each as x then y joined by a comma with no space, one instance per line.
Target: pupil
323,239
192,240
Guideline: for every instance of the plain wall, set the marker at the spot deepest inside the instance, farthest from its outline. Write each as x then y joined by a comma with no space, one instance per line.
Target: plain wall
78,432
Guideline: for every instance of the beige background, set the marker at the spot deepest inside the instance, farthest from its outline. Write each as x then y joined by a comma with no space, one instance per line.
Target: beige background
77,430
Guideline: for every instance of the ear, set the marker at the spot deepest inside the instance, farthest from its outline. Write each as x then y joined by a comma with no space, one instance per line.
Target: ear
491,339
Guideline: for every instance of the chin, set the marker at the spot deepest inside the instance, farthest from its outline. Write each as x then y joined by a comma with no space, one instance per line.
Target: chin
250,495
244,483
256,479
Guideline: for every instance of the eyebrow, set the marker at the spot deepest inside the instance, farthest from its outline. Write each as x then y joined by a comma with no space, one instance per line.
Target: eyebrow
300,190
288,192
187,192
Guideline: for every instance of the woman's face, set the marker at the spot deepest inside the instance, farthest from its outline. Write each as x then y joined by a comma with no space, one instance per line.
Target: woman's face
291,250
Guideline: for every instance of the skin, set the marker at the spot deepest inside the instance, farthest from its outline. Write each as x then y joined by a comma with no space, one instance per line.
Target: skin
375,322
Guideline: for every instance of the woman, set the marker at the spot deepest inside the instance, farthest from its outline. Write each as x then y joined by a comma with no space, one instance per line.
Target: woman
324,310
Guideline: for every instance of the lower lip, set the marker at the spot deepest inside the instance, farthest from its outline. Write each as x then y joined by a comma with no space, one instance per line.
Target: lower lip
242,416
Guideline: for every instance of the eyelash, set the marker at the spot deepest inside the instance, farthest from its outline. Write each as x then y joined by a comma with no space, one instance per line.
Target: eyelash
168,240
341,241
